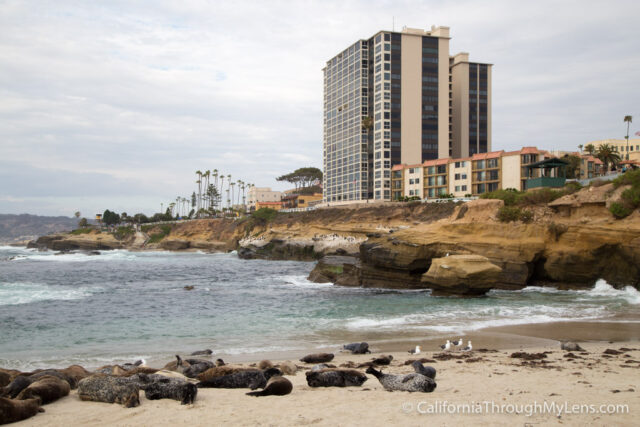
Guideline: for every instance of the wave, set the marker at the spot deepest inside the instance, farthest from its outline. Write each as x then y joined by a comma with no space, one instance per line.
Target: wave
25,293
459,320
600,290
302,281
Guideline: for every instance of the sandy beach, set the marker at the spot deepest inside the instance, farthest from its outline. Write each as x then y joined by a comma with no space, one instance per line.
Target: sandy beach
485,387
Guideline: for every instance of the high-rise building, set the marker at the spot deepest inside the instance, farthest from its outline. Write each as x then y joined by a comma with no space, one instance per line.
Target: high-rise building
393,99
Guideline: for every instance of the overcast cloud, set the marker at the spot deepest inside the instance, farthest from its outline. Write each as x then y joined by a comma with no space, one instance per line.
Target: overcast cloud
116,104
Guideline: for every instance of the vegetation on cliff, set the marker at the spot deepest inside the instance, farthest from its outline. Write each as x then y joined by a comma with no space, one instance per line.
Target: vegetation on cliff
630,198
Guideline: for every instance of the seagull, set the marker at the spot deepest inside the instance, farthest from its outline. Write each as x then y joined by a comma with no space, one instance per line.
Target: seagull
446,346
458,343
415,350
468,347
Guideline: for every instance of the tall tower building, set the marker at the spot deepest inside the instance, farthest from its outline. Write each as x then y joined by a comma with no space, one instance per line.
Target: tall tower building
391,99
470,106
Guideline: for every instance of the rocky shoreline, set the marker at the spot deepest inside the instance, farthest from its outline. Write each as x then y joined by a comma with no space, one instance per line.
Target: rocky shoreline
452,249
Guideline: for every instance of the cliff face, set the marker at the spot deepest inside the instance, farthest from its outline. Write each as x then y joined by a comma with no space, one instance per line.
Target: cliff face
452,249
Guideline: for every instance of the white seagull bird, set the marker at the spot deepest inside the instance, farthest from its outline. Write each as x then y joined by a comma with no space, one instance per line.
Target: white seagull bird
468,347
446,346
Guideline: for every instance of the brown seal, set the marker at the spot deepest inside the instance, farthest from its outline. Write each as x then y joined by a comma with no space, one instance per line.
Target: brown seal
317,358
17,410
46,389
276,386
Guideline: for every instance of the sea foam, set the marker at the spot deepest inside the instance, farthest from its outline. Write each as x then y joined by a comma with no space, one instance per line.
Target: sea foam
25,293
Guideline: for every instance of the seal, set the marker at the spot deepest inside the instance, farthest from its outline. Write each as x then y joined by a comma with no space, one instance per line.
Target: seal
288,368
253,379
17,410
219,371
45,390
196,367
276,386
5,379
265,364
336,378
160,387
427,371
206,352
570,346
317,358
108,389
410,382
14,388
357,347
384,360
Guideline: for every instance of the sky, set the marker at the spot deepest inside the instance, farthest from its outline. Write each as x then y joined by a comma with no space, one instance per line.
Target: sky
115,104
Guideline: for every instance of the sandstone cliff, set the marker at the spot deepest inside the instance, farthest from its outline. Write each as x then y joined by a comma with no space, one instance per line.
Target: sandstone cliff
453,249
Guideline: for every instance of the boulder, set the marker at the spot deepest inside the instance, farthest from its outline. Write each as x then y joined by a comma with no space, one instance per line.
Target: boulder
461,275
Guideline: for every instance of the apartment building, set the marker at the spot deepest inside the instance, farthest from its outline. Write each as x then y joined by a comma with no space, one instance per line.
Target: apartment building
472,175
399,98
262,194
620,146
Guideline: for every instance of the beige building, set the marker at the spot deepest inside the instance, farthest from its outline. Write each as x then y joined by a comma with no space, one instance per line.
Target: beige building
620,145
467,176
262,194
399,98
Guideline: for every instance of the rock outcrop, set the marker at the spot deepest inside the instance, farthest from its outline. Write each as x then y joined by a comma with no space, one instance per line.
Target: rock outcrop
461,274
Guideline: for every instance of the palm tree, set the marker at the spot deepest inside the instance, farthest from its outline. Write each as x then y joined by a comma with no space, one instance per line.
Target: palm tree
221,185
233,185
580,147
206,185
628,120
228,188
589,148
607,154
199,182
214,174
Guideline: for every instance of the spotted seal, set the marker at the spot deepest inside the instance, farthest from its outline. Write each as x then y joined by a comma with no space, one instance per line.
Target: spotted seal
109,389
427,371
410,382
335,378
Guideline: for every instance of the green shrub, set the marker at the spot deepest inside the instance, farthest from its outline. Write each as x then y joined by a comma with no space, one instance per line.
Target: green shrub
526,216
264,215
81,231
572,187
509,213
619,210
538,197
631,177
165,229
509,197
123,232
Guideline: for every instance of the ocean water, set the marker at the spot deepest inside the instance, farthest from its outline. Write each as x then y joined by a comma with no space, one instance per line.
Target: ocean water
118,306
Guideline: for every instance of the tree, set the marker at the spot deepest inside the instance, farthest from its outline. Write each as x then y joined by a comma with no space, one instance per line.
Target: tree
573,168
580,147
110,218
83,223
77,214
607,154
628,120
199,182
193,200
302,177
589,148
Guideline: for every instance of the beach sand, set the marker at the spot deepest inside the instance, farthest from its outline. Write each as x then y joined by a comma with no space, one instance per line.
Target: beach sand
494,386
